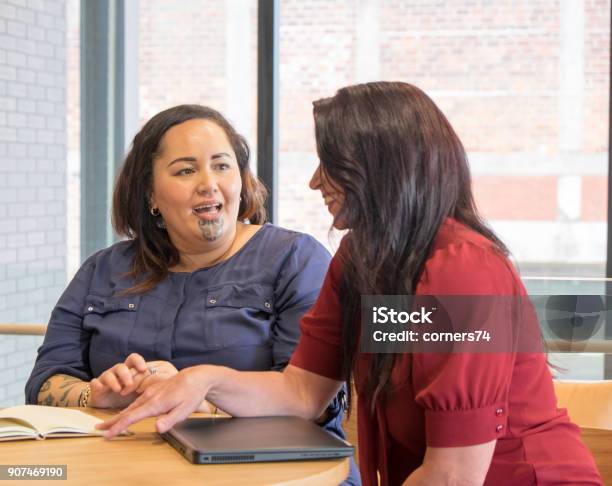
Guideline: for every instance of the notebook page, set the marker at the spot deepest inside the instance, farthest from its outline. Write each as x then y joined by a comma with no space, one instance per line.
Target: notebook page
11,428
53,419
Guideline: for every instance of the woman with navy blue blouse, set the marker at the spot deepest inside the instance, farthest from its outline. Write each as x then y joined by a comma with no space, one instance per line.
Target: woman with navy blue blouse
192,284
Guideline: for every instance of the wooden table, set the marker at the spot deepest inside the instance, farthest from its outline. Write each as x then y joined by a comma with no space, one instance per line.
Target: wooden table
146,459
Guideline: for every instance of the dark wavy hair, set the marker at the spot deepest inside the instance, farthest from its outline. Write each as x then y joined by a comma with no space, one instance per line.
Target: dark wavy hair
403,170
131,216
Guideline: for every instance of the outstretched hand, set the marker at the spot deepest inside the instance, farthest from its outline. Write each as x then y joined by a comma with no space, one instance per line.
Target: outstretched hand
171,401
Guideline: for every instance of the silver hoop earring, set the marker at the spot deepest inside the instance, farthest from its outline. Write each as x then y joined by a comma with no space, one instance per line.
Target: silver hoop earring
154,211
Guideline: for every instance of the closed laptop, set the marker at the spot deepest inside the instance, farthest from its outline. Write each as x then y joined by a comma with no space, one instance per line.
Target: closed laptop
218,440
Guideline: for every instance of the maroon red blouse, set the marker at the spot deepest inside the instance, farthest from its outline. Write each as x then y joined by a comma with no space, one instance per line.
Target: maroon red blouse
454,400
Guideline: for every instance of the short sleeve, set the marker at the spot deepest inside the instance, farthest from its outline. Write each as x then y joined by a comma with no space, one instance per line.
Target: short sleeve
464,395
319,349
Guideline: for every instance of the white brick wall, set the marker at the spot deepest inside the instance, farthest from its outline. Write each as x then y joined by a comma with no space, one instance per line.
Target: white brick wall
32,177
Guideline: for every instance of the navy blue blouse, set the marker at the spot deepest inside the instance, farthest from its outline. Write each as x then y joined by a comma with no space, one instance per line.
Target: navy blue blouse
243,312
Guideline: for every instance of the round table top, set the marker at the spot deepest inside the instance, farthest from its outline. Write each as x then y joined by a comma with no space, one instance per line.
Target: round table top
145,458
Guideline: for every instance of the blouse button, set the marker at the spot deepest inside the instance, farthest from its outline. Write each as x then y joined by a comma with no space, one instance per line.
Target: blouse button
499,428
499,411
131,306
212,301
267,304
90,308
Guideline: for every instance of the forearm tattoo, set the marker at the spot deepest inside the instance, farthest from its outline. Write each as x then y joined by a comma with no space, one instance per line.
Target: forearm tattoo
56,391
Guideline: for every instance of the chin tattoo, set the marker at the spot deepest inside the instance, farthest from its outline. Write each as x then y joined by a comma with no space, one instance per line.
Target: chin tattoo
212,230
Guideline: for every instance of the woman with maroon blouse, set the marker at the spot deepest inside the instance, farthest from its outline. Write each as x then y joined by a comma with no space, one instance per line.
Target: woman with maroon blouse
393,172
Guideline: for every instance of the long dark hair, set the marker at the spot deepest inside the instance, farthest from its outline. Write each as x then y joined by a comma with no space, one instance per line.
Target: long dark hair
131,216
403,170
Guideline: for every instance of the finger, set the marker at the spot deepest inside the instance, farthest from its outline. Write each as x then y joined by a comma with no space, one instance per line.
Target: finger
97,386
146,395
107,424
124,375
136,361
166,421
146,382
98,391
126,418
118,424
137,378
109,379
151,380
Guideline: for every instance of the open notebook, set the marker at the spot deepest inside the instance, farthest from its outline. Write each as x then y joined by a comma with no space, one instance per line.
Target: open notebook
39,422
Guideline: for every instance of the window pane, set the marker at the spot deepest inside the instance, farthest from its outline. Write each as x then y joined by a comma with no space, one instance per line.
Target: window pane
525,85
196,51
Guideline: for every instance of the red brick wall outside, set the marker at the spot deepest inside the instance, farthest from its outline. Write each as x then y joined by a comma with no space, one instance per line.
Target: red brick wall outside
594,198
493,68
182,54
497,60
517,197
317,44
596,75
183,49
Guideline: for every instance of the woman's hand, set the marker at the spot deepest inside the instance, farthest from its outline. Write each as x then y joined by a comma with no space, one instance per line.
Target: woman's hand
121,384
156,371
453,465
162,370
241,394
170,400
207,407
